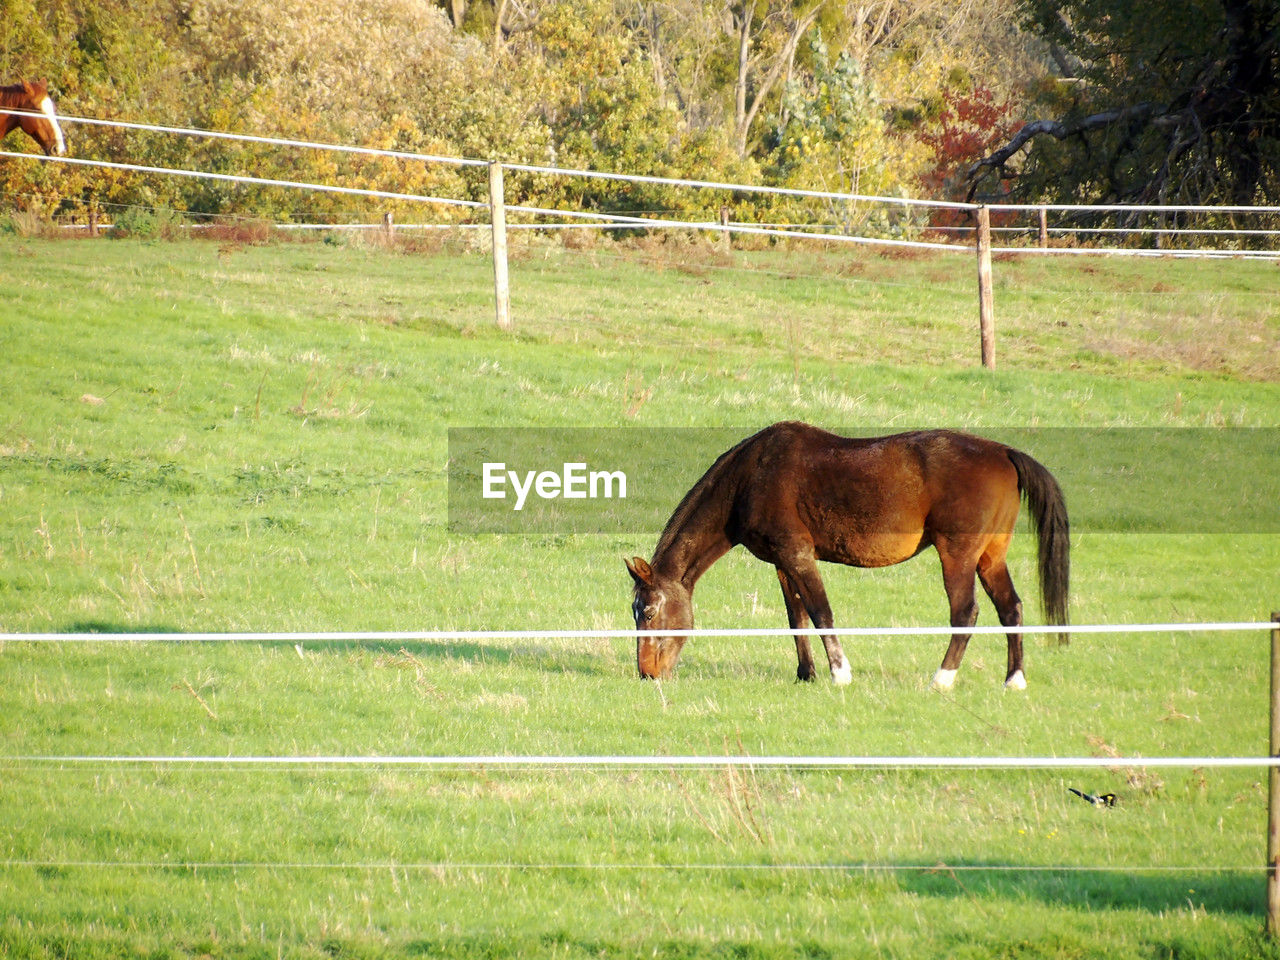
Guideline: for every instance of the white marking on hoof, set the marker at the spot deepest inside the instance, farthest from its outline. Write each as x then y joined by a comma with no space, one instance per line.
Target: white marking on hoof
1016,682
842,675
944,679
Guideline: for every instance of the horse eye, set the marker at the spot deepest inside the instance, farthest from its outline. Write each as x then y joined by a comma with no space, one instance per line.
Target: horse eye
650,612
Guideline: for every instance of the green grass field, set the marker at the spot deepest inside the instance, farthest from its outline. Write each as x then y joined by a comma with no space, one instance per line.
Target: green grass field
210,436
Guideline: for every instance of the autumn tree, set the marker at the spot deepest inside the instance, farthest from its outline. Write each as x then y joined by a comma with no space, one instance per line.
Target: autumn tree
971,121
834,132
734,90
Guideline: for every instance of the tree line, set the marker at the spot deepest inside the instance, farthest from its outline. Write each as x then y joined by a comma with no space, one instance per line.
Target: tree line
1088,101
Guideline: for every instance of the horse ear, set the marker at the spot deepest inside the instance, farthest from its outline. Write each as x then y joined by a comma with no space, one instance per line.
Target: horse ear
28,88
640,571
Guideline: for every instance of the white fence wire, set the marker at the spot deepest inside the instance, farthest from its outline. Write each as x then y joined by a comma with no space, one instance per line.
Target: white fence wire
587,866
648,761
409,636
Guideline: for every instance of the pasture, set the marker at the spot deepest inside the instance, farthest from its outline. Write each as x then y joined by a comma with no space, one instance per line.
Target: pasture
225,436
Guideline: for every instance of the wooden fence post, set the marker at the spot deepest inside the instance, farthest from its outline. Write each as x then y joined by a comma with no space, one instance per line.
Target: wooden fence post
498,221
1273,791
986,309
1044,228
388,226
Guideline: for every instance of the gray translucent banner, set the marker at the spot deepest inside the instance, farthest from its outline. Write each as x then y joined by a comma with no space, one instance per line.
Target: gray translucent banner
629,480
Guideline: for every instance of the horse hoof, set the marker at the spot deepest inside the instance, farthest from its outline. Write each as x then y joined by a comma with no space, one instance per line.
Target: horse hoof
842,675
1016,681
944,679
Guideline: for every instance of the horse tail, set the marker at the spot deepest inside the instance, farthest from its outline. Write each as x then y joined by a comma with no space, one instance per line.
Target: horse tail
1048,511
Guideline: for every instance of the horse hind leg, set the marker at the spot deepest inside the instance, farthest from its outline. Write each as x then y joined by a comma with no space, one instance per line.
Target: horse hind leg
999,587
958,578
798,619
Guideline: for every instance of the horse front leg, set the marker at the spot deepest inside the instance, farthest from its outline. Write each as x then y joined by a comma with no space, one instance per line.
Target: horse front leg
798,619
802,574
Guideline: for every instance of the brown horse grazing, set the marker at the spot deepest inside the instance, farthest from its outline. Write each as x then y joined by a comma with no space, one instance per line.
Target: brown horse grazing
793,495
33,97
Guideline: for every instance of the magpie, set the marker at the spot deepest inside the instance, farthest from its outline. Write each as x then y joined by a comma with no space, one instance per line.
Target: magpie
1102,800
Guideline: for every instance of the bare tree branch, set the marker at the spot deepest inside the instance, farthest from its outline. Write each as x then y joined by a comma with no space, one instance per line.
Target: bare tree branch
506,26
782,62
1061,130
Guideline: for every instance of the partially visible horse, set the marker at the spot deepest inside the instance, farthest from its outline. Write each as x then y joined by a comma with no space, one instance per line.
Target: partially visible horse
793,495
32,97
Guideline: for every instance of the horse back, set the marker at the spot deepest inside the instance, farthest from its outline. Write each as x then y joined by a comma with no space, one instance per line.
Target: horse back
871,501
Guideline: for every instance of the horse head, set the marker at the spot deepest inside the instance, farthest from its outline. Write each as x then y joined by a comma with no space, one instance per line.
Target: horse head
660,603
43,129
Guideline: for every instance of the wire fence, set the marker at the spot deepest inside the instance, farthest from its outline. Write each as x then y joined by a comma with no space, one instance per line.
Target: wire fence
587,866
488,763
604,220
639,761
409,636
647,761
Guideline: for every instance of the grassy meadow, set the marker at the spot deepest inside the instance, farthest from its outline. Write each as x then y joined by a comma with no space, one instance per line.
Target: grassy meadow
224,436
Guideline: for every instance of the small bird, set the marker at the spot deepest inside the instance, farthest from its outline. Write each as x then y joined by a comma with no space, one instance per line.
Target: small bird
1098,800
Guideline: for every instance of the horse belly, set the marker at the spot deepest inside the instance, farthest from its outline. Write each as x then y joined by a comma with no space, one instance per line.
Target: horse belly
872,549
863,526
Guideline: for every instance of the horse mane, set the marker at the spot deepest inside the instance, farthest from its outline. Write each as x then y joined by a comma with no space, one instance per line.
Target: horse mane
15,94
694,497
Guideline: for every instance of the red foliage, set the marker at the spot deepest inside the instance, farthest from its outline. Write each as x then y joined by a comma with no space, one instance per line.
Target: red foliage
970,125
